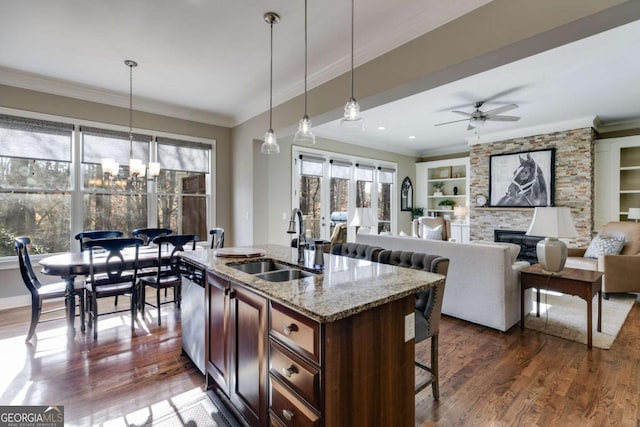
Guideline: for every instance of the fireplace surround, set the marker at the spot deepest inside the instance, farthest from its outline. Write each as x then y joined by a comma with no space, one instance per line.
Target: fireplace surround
527,243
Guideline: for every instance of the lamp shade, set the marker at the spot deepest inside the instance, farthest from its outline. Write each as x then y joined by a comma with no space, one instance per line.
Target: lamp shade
459,211
552,223
362,218
634,213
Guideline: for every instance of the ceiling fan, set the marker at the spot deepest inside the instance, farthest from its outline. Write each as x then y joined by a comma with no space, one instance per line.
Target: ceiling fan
479,117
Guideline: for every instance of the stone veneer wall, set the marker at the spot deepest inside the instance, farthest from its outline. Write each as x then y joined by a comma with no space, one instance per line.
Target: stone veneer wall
574,185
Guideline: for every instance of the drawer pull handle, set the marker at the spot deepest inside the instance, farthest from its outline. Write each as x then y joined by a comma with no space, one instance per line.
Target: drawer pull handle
287,414
289,371
288,329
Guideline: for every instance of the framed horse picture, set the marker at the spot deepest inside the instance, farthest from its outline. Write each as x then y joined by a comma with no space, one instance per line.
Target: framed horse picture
523,179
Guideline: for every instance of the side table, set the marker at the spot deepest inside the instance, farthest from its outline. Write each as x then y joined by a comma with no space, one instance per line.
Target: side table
582,283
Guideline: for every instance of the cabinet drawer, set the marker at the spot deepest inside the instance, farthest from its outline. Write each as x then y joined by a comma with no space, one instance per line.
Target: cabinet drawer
288,409
301,376
296,331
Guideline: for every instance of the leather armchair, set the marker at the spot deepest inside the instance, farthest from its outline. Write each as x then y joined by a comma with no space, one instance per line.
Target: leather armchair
431,221
621,272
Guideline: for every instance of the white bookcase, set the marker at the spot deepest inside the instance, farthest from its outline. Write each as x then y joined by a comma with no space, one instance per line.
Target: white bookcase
617,179
454,174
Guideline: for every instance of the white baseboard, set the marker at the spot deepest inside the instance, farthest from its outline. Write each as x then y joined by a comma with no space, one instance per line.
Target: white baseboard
13,302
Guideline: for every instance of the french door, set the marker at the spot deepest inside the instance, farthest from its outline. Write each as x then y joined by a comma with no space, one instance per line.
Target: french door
334,192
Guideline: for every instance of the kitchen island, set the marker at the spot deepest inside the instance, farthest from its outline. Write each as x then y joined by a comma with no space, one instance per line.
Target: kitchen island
333,348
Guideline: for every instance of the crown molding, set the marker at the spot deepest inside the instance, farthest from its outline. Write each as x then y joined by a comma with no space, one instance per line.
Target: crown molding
585,122
36,82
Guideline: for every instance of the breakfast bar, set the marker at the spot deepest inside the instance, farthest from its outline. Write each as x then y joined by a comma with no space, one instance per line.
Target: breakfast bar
290,344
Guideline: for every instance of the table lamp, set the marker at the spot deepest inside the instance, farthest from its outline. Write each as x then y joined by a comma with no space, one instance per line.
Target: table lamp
459,213
552,223
362,219
634,213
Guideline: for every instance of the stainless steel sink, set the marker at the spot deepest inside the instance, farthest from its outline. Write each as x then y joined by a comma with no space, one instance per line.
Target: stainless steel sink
284,275
259,266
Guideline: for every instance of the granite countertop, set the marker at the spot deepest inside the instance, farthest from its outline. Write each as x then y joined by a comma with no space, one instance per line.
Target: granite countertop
344,287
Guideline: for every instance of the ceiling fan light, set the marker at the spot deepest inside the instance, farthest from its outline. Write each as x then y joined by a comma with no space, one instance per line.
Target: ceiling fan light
478,122
304,134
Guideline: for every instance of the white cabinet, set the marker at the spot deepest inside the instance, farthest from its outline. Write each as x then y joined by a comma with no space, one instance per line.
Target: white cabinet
460,232
452,175
617,179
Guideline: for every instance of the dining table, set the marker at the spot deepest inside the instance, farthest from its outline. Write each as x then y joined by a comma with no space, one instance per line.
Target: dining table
69,265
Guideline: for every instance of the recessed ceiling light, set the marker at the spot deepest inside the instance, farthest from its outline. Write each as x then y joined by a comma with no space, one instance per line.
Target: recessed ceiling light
381,128
412,137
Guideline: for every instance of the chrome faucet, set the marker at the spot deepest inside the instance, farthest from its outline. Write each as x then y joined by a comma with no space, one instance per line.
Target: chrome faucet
302,239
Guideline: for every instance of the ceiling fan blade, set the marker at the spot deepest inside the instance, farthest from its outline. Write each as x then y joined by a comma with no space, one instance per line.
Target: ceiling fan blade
453,121
503,118
464,113
502,109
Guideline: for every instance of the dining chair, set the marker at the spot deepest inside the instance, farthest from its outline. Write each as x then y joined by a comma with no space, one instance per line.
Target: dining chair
40,292
111,273
428,307
217,238
85,236
167,269
148,234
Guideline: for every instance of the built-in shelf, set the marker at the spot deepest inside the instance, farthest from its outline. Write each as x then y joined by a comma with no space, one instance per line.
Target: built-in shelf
451,173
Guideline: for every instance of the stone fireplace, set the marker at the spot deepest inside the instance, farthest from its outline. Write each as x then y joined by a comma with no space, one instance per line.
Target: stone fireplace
573,182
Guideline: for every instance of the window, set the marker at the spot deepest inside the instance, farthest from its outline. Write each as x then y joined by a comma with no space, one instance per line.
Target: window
385,193
35,183
112,203
182,189
311,173
330,188
49,195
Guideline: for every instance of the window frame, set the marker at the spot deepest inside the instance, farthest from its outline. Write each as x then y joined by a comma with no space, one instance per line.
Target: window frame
76,188
344,159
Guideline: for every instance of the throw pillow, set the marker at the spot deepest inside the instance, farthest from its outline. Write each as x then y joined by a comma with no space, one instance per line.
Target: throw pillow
604,246
429,233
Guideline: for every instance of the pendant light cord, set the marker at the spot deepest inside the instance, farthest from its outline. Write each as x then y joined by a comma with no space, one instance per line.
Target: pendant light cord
271,79
305,58
130,110
352,24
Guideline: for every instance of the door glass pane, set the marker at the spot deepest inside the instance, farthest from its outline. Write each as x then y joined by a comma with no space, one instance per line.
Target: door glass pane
339,195
364,181
385,188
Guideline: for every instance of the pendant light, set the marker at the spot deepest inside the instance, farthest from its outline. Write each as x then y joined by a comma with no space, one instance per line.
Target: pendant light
304,134
137,169
270,144
352,115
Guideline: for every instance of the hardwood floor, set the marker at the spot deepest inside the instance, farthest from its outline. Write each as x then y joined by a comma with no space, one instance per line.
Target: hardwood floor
487,378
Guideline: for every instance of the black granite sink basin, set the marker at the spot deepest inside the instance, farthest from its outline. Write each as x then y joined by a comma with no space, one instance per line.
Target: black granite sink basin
259,266
284,275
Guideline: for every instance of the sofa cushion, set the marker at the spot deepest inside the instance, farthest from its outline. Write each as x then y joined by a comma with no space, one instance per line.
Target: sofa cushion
514,250
601,245
627,229
431,233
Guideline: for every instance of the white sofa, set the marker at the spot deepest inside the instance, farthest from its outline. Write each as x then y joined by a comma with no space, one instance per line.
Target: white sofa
483,282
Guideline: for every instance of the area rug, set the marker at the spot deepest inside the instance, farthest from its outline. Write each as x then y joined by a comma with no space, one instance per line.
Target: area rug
565,316
192,409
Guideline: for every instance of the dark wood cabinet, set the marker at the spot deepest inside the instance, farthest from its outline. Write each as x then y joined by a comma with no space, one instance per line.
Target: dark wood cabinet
249,354
281,368
216,337
236,347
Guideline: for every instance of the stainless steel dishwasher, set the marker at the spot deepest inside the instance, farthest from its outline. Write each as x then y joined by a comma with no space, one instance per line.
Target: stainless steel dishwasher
192,313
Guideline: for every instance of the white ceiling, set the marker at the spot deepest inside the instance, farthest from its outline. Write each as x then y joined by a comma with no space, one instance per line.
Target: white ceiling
209,61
